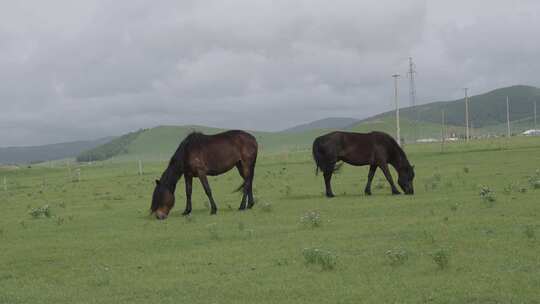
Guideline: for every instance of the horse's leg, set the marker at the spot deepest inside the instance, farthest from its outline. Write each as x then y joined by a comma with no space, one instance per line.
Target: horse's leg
388,176
189,182
208,191
372,169
251,200
327,179
244,195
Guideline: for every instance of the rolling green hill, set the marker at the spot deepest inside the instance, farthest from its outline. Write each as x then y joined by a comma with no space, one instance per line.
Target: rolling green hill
326,123
115,147
485,109
159,143
488,116
388,124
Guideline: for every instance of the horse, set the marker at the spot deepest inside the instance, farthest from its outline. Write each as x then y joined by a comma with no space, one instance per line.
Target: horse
200,155
376,149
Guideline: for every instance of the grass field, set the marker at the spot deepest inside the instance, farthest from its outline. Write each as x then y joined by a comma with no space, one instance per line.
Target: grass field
93,242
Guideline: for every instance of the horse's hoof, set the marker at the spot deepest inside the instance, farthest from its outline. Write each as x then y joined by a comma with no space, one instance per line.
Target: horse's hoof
241,208
396,193
213,212
367,192
330,195
185,213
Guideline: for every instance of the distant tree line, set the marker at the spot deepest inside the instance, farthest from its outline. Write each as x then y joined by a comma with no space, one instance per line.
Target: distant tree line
115,147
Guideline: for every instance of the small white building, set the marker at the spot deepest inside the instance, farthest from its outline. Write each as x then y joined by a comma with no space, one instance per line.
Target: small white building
531,132
427,140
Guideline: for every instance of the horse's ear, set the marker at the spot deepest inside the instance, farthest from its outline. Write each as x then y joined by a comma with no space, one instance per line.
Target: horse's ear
157,182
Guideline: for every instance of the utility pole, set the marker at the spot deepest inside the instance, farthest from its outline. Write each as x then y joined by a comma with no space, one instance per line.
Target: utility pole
412,97
466,114
398,135
443,131
507,117
535,117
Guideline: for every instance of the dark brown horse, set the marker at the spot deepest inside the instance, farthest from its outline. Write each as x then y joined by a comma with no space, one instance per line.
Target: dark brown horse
375,149
201,155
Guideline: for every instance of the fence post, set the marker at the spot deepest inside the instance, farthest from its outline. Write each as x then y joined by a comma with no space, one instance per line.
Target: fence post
140,168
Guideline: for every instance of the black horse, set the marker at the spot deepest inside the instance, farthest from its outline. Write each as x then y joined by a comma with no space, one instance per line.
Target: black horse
375,149
200,155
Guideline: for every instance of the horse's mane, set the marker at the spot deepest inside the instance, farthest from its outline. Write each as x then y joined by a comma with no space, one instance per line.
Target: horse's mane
190,140
401,156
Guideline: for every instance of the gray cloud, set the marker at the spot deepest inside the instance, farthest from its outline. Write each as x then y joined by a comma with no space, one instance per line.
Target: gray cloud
74,70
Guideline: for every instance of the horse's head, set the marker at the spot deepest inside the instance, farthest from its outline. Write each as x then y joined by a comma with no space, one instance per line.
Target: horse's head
162,201
405,179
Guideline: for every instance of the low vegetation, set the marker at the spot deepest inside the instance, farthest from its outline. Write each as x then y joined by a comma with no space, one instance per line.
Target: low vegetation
327,260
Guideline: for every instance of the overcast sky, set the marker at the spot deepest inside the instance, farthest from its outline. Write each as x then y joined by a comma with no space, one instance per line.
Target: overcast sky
85,69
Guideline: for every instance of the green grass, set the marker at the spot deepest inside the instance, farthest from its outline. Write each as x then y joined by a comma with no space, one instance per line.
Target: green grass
98,244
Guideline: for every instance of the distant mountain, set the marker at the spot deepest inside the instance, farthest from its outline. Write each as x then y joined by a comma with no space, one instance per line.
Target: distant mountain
486,109
326,123
33,154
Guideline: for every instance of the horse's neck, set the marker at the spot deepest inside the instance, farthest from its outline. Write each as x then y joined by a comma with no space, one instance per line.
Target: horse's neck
170,177
399,160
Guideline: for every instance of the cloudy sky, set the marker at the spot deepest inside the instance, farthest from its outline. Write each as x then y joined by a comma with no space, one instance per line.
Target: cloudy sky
85,69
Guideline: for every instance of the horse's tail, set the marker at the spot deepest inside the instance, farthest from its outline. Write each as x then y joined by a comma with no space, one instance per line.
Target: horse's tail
251,173
321,161
317,156
240,188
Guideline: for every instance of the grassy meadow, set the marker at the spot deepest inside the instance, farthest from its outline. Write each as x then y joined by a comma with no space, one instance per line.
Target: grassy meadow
470,234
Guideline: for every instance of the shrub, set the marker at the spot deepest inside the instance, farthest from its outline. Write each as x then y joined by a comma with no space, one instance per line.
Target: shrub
60,220
514,187
441,257
311,219
314,256
530,231
487,194
288,190
534,180
44,211
397,257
